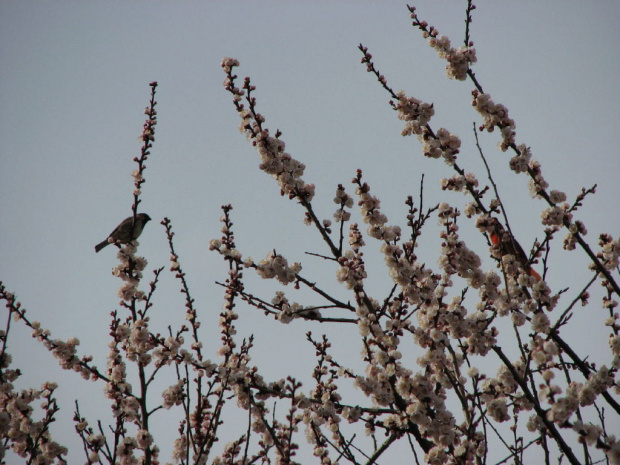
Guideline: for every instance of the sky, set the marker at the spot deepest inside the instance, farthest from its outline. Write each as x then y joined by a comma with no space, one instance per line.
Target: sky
74,84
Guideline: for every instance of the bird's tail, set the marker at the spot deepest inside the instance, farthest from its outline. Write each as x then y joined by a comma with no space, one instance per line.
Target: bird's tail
101,245
532,272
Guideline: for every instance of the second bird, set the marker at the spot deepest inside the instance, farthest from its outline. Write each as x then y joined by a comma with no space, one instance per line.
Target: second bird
127,231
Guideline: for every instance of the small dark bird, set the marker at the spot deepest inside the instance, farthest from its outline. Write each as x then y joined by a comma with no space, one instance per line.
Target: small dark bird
127,231
508,245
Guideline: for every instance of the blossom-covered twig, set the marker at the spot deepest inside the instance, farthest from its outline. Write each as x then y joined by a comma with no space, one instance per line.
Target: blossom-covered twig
274,160
147,137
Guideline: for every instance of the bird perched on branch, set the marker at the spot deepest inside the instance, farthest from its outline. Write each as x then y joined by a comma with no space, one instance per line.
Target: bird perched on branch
127,231
508,245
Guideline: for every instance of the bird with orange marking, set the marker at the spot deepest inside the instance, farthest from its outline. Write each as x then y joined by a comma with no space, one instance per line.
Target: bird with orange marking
508,245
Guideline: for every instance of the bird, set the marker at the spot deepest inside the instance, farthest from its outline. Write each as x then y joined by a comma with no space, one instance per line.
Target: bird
126,231
508,245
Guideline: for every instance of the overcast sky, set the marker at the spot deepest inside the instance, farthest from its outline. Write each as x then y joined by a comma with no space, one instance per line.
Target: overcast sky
74,84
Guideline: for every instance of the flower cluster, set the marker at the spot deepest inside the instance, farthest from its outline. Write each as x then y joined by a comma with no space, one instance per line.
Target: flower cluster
352,271
282,167
170,349
555,216
537,184
456,257
577,395
495,115
414,112
459,59
174,395
461,183
274,160
610,251
556,197
345,201
28,438
223,249
445,145
371,213
96,442
64,351
276,266
417,115
135,339
541,293
129,270
520,162
118,389
125,451
417,281
288,310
